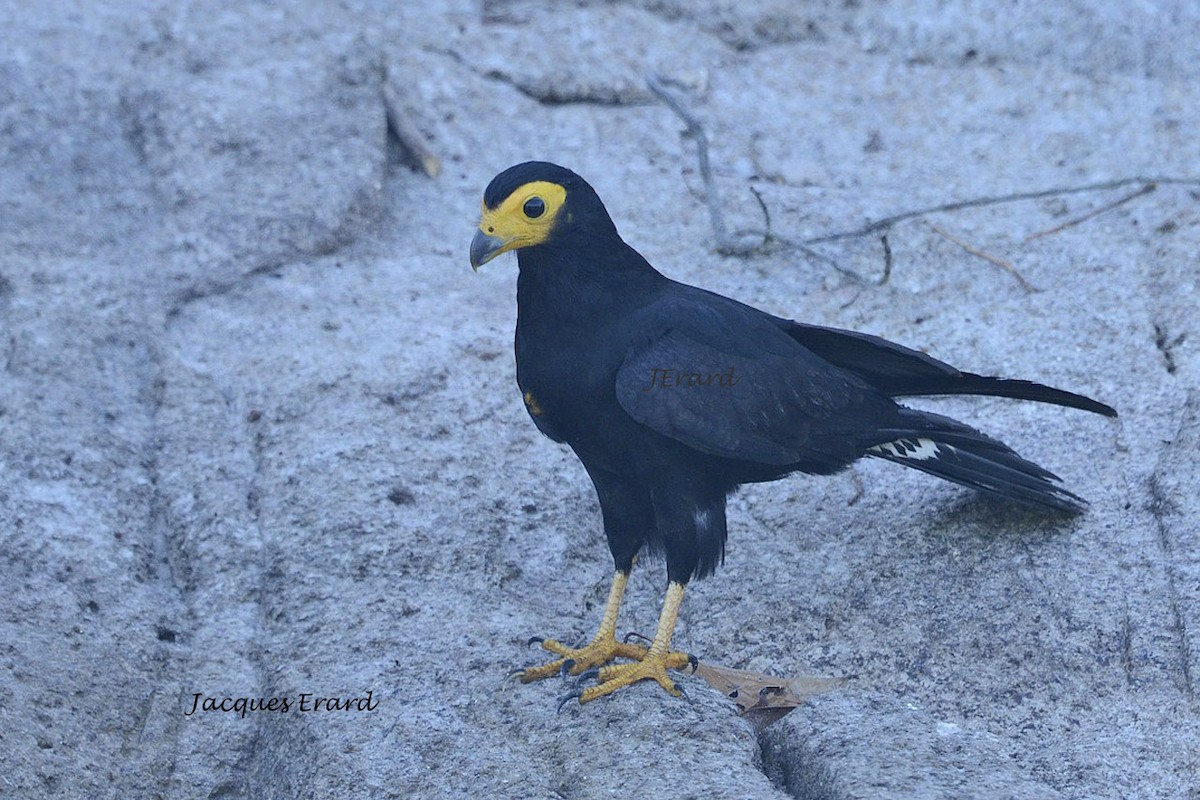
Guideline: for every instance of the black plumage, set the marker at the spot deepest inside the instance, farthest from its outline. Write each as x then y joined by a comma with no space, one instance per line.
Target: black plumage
673,396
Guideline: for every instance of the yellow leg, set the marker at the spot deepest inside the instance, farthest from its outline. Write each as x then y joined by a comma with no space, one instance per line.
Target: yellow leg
603,648
656,661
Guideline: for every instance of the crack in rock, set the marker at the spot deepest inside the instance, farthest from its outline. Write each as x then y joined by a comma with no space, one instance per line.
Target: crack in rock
1168,515
1166,345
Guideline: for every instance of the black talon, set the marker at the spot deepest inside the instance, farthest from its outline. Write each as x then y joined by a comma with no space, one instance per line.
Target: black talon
535,640
587,675
683,694
568,664
635,635
516,673
693,662
574,694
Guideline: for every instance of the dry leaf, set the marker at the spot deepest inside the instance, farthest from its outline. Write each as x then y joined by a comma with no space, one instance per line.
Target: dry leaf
761,698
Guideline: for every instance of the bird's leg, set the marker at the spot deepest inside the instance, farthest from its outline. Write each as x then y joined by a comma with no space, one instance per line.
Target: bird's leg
603,648
656,661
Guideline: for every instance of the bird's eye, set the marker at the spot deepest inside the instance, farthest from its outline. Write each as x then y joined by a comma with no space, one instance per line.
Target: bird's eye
535,207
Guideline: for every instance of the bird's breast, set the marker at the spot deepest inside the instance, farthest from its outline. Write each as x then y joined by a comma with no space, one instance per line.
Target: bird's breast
567,383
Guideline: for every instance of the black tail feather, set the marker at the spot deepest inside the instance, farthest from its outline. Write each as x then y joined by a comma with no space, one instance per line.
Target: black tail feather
948,449
899,371
969,383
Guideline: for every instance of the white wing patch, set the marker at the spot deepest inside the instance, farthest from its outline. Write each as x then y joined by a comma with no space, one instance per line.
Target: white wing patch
915,449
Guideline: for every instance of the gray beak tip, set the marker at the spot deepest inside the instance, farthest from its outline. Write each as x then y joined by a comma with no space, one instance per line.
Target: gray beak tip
484,248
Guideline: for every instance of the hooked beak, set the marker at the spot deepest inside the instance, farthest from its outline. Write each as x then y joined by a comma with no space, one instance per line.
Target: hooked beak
484,248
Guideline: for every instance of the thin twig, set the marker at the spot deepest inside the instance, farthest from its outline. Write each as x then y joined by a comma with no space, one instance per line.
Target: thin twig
727,245
767,235
817,255
887,273
976,202
731,246
887,260
1147,189
975,251
696,131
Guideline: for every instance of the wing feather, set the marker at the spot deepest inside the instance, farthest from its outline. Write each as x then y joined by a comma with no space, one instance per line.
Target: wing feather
724,379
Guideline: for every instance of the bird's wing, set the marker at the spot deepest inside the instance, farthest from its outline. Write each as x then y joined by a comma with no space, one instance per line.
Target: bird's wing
886,365
724,379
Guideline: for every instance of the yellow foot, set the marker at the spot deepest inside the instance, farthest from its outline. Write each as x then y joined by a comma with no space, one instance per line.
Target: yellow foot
594,659
652,666
597,653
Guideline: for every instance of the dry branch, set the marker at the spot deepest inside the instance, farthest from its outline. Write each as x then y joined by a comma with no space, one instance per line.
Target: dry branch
1003,263
732,245
1147,189
736,244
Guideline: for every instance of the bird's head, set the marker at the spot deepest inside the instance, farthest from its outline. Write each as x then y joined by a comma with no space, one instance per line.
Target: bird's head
536,204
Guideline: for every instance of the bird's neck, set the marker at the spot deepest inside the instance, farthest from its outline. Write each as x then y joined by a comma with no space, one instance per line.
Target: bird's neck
583,280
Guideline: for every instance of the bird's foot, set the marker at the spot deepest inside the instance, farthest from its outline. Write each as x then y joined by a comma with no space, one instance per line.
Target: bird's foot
575,660
652,666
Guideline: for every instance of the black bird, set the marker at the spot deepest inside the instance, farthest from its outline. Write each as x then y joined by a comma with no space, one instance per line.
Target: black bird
673,396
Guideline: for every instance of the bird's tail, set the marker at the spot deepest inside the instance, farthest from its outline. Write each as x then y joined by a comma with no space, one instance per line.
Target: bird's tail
956,452
970,383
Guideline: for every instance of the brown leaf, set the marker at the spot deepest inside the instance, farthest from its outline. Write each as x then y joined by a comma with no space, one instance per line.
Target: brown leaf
763,699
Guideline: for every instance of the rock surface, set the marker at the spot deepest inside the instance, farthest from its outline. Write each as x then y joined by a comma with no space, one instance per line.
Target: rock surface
259,435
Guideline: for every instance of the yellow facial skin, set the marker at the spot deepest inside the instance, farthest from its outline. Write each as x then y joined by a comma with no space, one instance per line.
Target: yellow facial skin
510,227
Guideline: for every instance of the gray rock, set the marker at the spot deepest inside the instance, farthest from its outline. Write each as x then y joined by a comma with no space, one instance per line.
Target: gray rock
259,435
